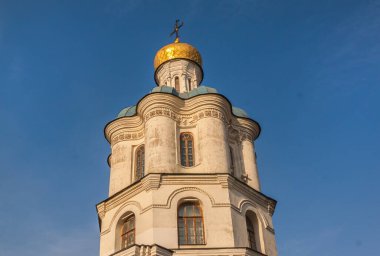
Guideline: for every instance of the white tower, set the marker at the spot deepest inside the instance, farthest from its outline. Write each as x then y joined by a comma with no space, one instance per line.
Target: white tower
183,178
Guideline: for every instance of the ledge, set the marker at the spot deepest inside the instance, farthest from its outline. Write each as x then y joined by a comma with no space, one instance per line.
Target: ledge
143,250
157,250
153,181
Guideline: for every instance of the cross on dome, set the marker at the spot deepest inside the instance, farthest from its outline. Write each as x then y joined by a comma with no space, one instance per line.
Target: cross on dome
177,26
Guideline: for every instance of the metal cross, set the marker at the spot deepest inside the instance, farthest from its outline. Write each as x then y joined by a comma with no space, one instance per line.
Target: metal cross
177,26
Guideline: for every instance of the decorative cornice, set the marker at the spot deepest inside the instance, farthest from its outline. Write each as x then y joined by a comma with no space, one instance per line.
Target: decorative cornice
182,119
190,182
211,251
270,229
144,250
101,208
123,136
258,197
245,134
183,111
271,207
154,181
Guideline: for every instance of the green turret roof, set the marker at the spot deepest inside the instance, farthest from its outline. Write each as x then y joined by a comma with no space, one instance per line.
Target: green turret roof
130,111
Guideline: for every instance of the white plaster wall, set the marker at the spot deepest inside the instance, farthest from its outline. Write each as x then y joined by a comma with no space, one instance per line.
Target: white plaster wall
160,145
264,237
213,145
158,225
120,175
156,217
218,230
122,164
184,70
250,164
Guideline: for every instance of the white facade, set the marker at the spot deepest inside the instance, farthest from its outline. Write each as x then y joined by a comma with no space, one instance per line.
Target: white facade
187,73
222,179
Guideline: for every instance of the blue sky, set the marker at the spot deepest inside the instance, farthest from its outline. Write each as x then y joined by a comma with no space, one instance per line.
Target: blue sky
307,71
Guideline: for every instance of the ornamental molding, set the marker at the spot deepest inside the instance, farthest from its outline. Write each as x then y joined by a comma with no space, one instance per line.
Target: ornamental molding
101,210
122,209
183,119
122,199
270,229
245,134
257,197
271,207
249,205
185,112
154,181
124,136
144,250
168,204
189,180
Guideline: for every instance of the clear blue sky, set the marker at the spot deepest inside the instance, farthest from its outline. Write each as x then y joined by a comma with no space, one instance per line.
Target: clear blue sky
308,71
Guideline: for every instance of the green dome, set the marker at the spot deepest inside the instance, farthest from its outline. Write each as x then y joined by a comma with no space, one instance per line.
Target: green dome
185,95
128,111
239,112
131,111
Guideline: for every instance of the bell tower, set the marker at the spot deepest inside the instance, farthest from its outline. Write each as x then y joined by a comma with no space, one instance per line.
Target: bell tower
183,173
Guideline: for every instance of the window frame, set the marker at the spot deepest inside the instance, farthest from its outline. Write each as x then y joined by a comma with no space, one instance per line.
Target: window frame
124,235
193,219
176,83
139,174
232,158
252,243
184,150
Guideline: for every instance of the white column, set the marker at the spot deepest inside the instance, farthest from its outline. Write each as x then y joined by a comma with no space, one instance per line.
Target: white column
250,166
160,150
213,146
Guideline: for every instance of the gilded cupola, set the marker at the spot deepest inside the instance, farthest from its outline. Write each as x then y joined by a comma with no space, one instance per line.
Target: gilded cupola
178,65
177,50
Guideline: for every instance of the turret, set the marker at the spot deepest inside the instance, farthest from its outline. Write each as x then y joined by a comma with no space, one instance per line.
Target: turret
184,178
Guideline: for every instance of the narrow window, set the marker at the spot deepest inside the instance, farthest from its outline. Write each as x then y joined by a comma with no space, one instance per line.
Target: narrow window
128,232
251,234
232,159
140,162
190,224
187,149
176,83
189,82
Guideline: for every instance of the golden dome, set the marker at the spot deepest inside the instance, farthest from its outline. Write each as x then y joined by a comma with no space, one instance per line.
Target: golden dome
177,50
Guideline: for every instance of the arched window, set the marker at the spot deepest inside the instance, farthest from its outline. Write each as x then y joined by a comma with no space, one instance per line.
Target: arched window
176,83
251,234
189,82
187,149
253,231
190,224
140,162
128,232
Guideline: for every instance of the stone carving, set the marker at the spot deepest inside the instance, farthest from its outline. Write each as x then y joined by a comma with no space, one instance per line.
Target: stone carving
271,207
127,136
233,133
244,135
185,119
101,210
